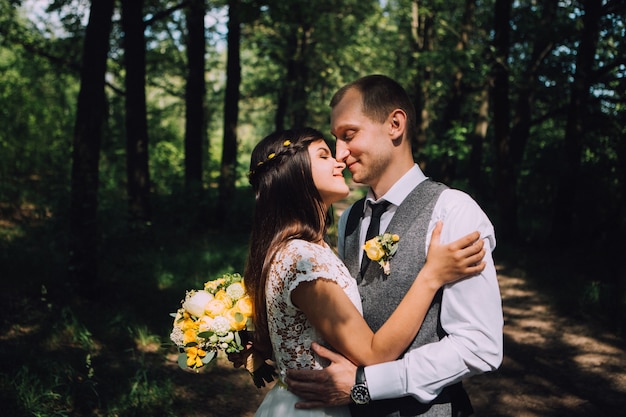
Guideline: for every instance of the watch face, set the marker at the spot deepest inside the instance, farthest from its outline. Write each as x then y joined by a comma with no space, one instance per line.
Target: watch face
360,394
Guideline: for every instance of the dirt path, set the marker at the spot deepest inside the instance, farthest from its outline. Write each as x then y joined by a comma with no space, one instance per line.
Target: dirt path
553,367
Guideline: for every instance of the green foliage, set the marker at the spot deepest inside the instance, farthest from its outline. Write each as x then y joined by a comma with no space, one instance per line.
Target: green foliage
33,395
148,396
104,356
36,110
112,363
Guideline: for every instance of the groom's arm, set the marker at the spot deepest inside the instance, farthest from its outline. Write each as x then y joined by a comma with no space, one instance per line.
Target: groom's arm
471,315
325,387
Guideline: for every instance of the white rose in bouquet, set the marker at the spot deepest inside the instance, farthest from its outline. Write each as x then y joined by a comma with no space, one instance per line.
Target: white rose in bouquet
196,302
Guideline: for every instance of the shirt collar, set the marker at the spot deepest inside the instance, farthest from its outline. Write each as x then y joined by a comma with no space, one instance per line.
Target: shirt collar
401,189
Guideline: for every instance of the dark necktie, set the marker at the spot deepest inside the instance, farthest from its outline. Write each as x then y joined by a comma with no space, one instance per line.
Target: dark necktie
373,230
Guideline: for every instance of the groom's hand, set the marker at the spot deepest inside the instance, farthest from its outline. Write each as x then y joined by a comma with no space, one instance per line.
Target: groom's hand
326,387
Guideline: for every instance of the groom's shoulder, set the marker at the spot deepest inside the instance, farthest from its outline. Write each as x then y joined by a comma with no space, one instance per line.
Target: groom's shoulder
351,216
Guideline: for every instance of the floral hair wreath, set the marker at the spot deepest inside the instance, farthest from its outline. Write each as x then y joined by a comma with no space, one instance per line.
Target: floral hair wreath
271,157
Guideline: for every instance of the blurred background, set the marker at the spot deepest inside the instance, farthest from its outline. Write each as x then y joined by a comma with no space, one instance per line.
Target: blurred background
126,131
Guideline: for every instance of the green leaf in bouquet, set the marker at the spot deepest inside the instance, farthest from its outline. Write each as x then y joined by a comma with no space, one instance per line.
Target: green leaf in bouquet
209,357
206,335
182,361
237,339
249,324
191,344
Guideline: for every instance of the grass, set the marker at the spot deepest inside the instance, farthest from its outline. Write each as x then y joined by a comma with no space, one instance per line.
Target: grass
108,356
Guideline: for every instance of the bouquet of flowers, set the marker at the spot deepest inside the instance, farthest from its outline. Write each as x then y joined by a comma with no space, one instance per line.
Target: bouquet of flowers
381,249
210,320
215,318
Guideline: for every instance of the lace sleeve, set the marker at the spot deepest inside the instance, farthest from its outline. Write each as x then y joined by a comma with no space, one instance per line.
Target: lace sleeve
305,262
290,330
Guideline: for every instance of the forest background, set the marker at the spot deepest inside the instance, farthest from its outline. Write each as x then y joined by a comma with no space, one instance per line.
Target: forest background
127,128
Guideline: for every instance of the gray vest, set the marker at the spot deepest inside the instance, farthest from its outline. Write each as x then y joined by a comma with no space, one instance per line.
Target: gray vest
381,294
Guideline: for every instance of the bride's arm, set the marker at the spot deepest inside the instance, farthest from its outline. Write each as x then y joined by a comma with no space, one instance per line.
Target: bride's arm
333,315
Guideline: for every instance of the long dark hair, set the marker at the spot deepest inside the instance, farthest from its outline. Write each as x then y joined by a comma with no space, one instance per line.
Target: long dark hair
288,206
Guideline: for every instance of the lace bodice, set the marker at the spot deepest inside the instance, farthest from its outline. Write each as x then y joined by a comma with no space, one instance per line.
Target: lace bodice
290,331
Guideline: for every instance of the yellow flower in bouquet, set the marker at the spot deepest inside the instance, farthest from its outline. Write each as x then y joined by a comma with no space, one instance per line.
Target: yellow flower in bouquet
236,319
244,304
215,308
214,285
194,357
381,249
210,319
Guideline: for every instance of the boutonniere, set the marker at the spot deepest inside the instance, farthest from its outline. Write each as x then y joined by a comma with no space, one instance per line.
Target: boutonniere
381,249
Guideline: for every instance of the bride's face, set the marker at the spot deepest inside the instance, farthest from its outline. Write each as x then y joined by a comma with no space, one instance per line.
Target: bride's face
327,173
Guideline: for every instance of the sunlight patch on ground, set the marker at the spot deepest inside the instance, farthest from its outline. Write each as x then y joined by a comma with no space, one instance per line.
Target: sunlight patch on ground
580,340
18,331
553,366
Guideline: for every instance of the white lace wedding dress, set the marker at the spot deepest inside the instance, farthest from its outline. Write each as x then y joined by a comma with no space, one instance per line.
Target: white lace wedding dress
291,333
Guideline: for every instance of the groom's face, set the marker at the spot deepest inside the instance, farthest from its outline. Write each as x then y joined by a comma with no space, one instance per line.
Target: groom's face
361,141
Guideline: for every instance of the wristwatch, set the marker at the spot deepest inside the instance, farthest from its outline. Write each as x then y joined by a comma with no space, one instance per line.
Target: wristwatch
359,392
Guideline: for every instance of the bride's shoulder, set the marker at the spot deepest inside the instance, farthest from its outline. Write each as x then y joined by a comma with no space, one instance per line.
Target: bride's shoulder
304,246
297,250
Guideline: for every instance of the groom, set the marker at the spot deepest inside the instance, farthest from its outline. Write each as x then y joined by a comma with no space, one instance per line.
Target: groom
373,121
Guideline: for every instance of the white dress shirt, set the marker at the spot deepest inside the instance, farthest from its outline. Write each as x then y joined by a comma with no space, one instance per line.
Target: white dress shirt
471,309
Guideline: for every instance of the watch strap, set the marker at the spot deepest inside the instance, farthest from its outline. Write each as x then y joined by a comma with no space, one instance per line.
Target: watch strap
360,375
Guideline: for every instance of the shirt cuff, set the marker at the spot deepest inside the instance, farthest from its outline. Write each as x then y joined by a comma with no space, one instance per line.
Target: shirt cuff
385,380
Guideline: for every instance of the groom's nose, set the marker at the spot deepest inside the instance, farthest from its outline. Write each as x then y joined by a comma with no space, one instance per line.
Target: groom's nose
342,151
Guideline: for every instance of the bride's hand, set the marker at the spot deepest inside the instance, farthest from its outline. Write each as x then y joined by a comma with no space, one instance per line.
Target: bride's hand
239,359
459,259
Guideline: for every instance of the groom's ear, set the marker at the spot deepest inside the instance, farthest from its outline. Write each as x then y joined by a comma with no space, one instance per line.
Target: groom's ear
397,123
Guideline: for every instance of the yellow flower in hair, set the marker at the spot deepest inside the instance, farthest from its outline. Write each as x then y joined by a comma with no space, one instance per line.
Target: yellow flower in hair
270,156
287,143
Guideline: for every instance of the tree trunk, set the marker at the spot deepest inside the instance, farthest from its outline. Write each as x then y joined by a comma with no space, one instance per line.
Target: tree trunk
90,114
619,241
137,169
457,97
231,115
421,41
543,43
299,114
505,179
477,139
292,110
195,96
570,156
